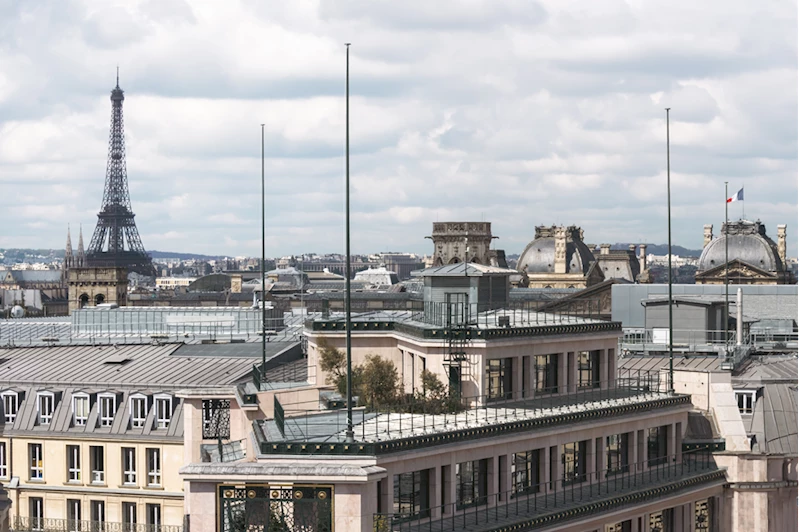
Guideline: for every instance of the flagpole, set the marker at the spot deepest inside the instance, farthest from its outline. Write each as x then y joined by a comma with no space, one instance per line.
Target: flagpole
668,212
263,263
349,435
726,271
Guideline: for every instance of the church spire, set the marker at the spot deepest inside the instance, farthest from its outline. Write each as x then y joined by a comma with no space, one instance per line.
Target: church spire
81,259
68,251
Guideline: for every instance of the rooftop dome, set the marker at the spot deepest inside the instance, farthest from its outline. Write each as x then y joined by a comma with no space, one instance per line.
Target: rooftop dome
539,255
748,243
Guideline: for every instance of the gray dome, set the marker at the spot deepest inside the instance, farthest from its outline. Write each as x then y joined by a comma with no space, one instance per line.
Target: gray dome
748,243
539,255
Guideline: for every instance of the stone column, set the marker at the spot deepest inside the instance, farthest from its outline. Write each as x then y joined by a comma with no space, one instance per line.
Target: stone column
527,374
435,492
670,442
603,369
546,473
450,487
493,480
600,462
518,378
611,376
505,476
781,243
678,442
590,458
571,372
708,235
386,494
562,373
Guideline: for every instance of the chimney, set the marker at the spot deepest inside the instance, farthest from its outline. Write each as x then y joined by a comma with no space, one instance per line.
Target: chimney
604,249
781,229
708,235
642,257
560,250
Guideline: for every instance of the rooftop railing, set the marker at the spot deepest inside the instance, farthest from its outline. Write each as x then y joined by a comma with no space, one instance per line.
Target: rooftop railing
36,524
572,496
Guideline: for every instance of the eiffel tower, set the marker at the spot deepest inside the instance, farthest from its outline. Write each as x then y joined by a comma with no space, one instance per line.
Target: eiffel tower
115,225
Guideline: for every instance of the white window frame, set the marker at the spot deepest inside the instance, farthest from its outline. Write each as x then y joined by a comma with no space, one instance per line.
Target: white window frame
129,466
163,416
97,475
45,406
104,419
153,466
751,395
36,461
10,399
36,508
3,460
137,415
73,463
80,420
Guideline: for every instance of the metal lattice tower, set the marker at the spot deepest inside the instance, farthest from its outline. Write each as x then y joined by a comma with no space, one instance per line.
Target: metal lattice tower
116,229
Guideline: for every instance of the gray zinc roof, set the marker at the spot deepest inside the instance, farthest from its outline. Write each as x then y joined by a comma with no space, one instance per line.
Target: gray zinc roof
774,420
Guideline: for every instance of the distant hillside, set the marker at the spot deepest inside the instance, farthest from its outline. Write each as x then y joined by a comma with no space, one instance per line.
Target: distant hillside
662,249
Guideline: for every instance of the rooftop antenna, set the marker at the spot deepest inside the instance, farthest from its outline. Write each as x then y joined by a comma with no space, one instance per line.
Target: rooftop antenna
349,435
668,209
117,76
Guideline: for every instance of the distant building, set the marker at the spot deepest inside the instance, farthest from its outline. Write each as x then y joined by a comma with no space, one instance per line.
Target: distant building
402,264
750,257
173,282
455,242
377,277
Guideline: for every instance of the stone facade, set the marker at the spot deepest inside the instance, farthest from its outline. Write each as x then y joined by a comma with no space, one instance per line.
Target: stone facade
455,242
93,286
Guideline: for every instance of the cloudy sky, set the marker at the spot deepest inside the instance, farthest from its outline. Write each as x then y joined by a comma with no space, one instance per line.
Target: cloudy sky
520,113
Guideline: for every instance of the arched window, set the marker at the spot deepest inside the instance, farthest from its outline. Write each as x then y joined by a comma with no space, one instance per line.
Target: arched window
84,300
99,299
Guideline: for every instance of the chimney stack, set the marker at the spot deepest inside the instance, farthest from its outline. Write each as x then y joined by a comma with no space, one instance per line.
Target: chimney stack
642,257
604,249
708,235
781,249
560,250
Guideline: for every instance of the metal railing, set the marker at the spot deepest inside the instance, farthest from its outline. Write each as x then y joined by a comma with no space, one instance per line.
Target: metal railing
410,417
47,524
533,499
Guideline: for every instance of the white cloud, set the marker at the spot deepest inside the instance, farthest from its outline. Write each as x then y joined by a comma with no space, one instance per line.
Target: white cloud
519,113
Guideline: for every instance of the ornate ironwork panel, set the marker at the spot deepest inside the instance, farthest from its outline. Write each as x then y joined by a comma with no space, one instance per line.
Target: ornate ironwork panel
216,419
276,508
702,511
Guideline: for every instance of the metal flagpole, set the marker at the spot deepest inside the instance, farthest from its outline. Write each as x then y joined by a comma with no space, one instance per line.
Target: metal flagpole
668,209
726,270
263,262
350,436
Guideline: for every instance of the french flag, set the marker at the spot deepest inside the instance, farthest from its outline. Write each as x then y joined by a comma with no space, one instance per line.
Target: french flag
738,197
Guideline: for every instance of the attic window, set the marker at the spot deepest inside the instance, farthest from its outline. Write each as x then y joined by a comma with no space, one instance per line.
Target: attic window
108,409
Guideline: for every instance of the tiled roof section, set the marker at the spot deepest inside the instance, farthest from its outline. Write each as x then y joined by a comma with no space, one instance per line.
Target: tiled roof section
767,368
147,366
36,276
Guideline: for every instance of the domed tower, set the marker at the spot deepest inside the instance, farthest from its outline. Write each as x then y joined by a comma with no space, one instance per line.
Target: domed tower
558,258
751,256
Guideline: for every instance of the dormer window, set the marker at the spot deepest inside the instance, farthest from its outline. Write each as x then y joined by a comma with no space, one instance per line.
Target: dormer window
10,405
108,409
45,404
80,409
138,410
163,411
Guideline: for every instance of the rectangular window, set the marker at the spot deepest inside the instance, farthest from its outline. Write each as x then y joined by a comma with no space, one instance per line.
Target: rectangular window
153,467
163,412
3,460
499,376
525,472
471,481
129,466
411,494
97,458
35,460
73,515
153,517
10,406
98,511
36,513
128,516
45,403
746,401
618,453
574,461
546,373
588,369
73,463
138,411
656,445
108,409
80,410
